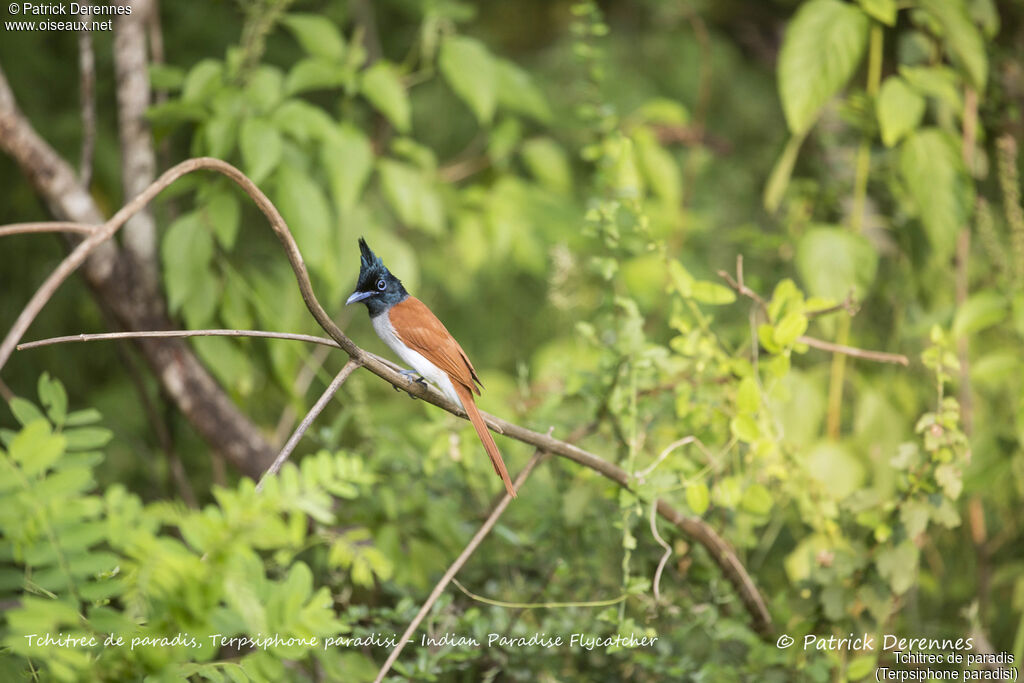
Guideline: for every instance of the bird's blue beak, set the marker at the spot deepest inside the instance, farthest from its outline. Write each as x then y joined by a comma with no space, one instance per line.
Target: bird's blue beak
358,296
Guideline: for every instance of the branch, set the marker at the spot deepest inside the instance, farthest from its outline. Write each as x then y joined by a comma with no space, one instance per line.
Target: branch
87,97
696,528
165,334
313,413
46,227
117,286
138,160
470,548
877,356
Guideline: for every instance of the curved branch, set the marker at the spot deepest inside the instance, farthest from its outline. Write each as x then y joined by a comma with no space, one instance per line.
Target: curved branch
693,527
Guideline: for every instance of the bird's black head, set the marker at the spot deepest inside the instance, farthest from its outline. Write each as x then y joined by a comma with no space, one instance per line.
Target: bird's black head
377,288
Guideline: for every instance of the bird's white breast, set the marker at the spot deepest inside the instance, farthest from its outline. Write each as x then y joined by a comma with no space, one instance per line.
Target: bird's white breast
386,331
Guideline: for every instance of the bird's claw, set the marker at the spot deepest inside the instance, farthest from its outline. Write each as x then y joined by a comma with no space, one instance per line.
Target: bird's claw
413,376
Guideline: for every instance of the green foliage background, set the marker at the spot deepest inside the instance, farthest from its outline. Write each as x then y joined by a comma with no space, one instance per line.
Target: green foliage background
561,182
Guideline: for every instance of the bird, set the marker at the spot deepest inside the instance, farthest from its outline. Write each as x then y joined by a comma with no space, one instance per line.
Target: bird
414,333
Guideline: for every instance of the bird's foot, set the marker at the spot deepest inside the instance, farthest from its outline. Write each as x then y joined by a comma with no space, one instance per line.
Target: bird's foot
413,376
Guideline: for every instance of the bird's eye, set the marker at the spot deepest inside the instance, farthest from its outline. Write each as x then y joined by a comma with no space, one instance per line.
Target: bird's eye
381,284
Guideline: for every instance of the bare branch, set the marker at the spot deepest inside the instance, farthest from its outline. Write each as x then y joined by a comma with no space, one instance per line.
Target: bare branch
138,160
466,553
664,558
165,334
877,356
46,227
87,97
313,413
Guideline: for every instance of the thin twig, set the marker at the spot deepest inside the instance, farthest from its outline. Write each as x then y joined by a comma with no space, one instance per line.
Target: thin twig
664,557
47,226
668,449
466,553
313,413
878,356
303,379
178,333
537,605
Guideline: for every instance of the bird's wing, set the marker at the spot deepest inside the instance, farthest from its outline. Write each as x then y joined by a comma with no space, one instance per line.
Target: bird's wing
420,330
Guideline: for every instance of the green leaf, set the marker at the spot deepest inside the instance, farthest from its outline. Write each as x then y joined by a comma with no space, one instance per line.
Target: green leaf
898,565
548,163
304,207
833,261
697,498
745,428
824,44
186,252
748,396
384,89
348,159
939,82
469,69
222,214
517,92
882,10
203,81
317,35
54,398
711,293
412,196
962,37
303,122
931,167
757,500
914,516
659,168
836,468
24,411
980,311
861,667
87,438
789,328
315,73
36,448
261,147
899,109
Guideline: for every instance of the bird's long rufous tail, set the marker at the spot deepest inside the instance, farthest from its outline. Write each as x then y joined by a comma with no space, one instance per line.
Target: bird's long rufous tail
485,436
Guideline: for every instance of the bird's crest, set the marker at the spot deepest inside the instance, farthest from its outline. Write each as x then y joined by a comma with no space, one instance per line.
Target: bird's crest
368,260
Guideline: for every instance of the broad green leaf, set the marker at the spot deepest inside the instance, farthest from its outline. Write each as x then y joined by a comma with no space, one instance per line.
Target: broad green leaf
711,293
823,45
838,470
659,168
469,69
934,173
383,87
980,311
347,157
833,261
790,327
757,500
882,10
412,196
315,73
745,428
899,108
697,498
261,147
307,213
186,251
861,666
748,396
548,163
223,216
87,438
203,81
898,565
317,35
962,37
939,82
914,516
166,77
517,92
264,88
303,122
